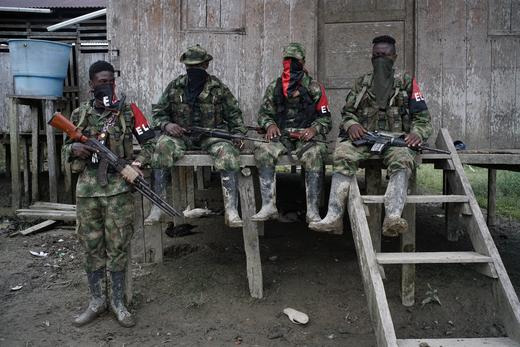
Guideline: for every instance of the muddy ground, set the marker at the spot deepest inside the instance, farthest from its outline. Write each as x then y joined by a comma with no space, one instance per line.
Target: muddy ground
200,297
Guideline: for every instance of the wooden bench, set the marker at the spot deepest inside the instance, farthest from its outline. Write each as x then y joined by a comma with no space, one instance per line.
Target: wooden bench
183,178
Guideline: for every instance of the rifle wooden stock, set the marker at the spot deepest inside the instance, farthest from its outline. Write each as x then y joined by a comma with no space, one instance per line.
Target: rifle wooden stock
60,122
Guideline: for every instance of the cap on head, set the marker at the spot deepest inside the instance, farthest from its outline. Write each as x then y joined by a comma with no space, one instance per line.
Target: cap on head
294,50
384,39
195,55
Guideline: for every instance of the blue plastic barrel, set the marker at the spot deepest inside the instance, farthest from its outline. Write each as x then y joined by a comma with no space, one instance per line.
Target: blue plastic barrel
39,67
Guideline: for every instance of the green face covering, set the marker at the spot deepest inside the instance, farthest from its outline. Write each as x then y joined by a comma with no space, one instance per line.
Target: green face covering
383,79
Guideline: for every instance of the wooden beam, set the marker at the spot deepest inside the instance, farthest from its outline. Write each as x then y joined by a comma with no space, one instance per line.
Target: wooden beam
250,232
509,305
26,171
418,199
15,153
35,189
37,227
48,111
432,258
407,244
374,289
153,243
459,342
43,205
373,186
492,197
47,214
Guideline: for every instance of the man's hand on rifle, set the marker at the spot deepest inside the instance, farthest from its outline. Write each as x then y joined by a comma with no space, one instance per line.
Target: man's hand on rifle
308,134
272,132
356,131
174,130
82,151
239,143
412,140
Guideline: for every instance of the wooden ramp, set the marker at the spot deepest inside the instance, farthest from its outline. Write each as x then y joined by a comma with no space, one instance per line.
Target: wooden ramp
485,255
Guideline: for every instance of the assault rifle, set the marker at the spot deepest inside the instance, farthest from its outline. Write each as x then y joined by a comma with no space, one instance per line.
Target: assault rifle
297,135
379,142
221,134
59,121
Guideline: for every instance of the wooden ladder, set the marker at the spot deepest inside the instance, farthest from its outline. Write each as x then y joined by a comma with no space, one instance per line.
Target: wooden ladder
485,257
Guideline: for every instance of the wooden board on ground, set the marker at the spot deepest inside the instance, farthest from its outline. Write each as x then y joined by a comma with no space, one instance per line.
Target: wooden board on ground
47,214
37,227
43,205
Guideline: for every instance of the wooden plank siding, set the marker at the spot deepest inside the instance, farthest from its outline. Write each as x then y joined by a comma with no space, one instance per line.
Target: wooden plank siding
468,67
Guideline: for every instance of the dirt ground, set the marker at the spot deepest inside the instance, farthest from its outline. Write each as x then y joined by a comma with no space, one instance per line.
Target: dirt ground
200,297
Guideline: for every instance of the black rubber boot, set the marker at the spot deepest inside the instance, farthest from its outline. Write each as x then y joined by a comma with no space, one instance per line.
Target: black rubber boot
97,304
117,304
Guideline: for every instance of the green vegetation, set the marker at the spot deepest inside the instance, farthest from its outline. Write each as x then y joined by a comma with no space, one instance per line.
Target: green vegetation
508,187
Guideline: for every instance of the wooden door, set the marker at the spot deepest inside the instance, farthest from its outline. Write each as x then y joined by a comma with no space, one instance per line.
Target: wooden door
345,32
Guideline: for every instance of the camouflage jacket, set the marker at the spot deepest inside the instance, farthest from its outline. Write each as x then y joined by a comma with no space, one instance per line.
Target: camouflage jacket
216,107
119,141
294,116
406,110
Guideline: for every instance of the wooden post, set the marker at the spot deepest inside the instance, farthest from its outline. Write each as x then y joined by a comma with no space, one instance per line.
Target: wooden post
48,111
250,232
491,197
177,191
15,151
26,170
373,187
35,190
408,245
153,243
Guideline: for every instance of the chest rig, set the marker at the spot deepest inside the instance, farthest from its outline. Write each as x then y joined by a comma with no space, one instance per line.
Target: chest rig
114,131
394,118
293,112
207,111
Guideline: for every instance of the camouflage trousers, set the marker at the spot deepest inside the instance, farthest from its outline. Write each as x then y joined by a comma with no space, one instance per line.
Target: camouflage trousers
170,149
105,228
347,156
312,157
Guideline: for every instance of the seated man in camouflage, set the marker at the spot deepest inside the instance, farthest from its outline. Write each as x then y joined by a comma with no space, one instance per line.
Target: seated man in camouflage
293,102
381,101
200,99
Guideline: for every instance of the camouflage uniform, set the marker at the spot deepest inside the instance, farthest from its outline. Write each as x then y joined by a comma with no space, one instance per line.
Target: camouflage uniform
361,108
216,107
104,213
213,106
292,113
297,115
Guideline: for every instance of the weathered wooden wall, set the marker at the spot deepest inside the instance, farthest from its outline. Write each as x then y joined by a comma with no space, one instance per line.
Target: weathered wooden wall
468,63
466,54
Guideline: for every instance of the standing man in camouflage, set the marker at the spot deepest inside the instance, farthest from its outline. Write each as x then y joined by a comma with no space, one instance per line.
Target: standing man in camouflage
292,102
381,101
200,99
104,202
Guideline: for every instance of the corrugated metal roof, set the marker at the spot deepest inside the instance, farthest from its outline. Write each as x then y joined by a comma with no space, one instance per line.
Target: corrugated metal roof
54,3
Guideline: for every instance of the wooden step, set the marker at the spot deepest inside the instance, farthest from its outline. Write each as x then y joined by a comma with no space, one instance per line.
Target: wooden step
418,199
432,258
462,342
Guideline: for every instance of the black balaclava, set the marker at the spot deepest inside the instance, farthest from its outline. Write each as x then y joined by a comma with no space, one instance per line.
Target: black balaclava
292,75
105,93
383,82
197,78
